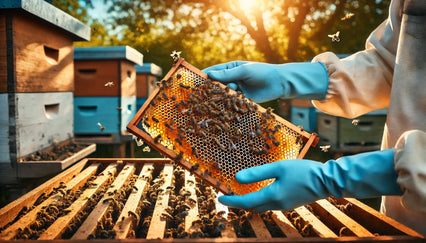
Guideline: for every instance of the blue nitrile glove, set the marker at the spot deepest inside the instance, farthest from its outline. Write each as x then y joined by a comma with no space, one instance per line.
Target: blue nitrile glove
264,82
300,182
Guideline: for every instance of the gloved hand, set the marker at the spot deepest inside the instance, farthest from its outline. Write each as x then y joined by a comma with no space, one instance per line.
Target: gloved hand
300,182
264,82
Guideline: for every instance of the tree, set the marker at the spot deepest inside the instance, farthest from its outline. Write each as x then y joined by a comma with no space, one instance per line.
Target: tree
78,9
274,31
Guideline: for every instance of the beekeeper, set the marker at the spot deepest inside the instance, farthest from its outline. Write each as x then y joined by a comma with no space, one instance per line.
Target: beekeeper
390,72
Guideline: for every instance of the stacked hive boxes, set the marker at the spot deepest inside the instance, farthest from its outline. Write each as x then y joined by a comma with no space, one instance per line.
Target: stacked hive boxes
105,90
352,135
146,79
36,78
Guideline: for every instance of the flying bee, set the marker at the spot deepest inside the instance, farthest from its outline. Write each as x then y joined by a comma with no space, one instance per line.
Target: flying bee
109,84
146,149
355,122
139,142
175,55
325,148
335,37
100,126
348,16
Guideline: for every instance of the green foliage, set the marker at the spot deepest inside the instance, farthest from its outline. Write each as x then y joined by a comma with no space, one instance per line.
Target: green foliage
214,31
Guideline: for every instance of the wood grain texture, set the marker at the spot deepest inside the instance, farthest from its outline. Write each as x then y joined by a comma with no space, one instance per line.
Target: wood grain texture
56,230
125,223
73,185
158,223
317,225
89,225
127,78
336,219
42,118
36,70
92,75
10,211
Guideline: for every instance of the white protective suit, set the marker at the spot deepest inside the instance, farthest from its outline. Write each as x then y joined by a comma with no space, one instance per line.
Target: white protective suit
390,72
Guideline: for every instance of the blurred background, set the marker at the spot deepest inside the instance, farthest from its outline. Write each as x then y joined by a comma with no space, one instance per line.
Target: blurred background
214,31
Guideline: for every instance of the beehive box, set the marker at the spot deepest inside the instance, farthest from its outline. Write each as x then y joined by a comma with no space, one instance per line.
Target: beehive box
146,81
360,134
303,114
36,81
105,90
152,200
214,131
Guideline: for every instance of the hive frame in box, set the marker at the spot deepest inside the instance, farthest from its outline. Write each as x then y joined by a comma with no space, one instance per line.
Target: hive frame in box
360,222
308,138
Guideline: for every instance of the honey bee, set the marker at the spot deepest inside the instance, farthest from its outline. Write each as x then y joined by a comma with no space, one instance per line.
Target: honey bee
179,156
173,97
194,151
109,84
101,127
155,119
146,149
276,143
325,148
165,95
194,167
335,37
168,126
355,122
175,55
157,138
348,16
178,141
139,142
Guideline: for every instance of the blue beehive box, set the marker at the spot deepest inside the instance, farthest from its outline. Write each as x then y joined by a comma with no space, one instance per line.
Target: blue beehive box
105,90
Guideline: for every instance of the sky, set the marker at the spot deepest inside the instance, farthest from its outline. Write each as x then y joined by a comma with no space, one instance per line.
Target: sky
99,10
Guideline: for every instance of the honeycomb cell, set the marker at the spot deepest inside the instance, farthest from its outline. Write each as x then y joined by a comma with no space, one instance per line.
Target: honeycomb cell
217,128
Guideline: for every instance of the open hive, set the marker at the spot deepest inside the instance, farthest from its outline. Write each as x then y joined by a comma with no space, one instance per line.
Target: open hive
150,199
214,131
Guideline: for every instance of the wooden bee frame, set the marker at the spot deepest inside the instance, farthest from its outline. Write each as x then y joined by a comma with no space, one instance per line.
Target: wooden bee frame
100,183
307,138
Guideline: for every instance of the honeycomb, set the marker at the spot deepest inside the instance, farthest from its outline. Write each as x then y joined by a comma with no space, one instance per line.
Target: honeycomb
216,129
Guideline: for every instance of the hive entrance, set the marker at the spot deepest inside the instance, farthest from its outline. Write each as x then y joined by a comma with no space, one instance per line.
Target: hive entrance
214,131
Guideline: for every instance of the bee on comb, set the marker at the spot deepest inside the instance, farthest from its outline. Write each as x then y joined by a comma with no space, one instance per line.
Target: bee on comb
204,124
